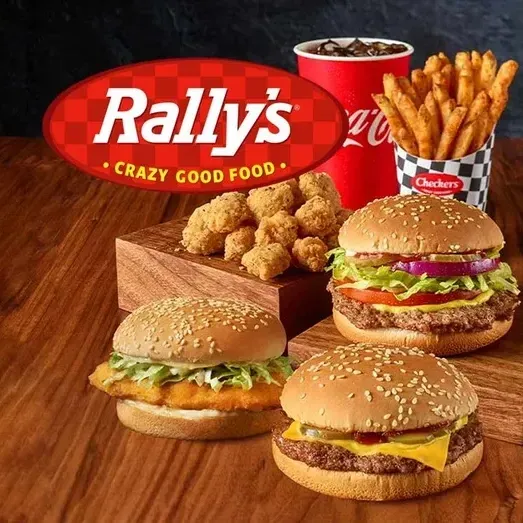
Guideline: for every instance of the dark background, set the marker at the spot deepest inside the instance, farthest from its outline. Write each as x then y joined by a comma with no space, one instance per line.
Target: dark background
47,46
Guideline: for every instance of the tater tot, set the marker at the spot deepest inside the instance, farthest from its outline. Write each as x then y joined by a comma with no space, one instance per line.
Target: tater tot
316,217
299,200
280,228
309,254
227,212
238,242
319,184
267,201
267,261
197,238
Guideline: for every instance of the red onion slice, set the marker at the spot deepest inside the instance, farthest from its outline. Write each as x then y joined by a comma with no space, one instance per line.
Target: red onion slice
442,269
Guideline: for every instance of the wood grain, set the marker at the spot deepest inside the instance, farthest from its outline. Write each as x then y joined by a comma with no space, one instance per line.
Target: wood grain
151,265
63,455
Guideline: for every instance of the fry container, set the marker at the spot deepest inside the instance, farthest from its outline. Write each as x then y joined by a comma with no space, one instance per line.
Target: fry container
363,168
465,179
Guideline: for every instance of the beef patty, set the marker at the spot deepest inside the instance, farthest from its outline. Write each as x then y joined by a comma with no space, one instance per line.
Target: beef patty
462,319
330,457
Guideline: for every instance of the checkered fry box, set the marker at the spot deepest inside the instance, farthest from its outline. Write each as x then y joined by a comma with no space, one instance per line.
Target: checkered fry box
465,179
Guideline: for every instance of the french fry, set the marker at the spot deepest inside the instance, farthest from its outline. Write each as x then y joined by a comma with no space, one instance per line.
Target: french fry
463,140
491,123
476,61
444,58
462,60
407,110
440,79
465,88
388,84
446,110
488,70
390,112
499,90
407,141
423,132
420,82
435,119
479,105
506,73
407,88
449,133
497,107
432,65
447,72
441,94
481,133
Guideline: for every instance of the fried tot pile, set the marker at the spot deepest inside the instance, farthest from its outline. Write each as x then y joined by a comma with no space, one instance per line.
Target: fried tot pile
289,223
447,110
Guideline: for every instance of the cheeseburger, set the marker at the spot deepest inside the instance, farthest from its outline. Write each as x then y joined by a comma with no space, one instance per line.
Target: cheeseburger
378,423
421,271
197,369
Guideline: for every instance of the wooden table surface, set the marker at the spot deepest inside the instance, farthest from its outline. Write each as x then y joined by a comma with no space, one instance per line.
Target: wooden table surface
63,454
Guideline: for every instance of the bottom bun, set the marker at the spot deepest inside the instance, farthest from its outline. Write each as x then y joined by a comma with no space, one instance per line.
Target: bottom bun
378,487
165,422
438,344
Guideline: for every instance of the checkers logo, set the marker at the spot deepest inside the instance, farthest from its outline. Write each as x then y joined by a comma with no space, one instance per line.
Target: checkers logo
195,125
437,183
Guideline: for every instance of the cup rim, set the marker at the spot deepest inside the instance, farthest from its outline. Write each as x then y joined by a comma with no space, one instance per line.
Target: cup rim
302,49
484,147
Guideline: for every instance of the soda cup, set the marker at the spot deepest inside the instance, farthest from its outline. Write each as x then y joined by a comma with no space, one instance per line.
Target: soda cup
364,168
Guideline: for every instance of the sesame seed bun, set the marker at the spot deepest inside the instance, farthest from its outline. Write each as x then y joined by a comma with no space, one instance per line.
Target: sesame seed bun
448,344
164,422
378,487
374,388
419,224
197,332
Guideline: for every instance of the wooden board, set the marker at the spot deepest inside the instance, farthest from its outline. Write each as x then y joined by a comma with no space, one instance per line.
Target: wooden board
495,371
151,266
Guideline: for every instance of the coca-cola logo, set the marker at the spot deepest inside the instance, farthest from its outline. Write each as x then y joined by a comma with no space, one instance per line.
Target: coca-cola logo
371,124
439,184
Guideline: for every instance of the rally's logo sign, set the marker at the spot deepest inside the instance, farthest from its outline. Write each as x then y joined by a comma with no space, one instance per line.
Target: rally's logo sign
439,184
195,125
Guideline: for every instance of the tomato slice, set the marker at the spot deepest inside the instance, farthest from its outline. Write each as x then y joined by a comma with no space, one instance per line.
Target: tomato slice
420,298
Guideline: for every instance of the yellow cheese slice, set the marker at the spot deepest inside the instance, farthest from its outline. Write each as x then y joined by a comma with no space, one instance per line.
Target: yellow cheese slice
478,300
417,437
432,453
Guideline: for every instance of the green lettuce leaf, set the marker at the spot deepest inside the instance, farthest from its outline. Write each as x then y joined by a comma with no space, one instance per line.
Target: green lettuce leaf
404,285
242,375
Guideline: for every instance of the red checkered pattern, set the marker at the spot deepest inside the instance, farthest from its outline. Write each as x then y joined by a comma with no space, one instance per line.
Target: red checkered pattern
318,123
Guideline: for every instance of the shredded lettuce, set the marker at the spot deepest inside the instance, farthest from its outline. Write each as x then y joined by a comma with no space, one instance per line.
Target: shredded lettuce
404,285
242,374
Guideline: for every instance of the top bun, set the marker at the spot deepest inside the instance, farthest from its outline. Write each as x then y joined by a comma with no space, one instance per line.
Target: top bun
373,388
198,332
419,224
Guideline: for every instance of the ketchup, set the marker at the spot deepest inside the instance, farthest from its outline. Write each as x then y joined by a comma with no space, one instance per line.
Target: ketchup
371,438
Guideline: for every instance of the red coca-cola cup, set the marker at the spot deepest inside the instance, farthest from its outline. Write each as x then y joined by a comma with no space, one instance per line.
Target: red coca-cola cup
364,168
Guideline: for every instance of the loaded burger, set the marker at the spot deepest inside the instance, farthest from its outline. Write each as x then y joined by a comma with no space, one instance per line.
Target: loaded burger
197,369
378,423
418,270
